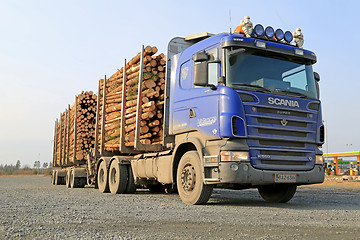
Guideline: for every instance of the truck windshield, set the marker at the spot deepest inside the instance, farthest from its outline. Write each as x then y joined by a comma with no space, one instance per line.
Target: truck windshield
250,70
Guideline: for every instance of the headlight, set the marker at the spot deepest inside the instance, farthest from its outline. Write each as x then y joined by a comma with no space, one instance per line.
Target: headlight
288,36
269,32
279,34
259,30
228,156
319,159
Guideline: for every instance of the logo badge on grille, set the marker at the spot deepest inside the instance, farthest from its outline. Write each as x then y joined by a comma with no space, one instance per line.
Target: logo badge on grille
284,122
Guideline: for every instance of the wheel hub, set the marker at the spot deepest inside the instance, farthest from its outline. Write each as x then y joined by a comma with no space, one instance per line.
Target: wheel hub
188,178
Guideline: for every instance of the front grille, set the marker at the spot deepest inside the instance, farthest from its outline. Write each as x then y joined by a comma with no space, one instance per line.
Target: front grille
280,137
278,122
281,143
281,112
282,133
282,162
283,153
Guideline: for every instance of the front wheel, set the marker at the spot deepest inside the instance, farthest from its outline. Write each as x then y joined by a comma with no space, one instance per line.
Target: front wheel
279,193
190,181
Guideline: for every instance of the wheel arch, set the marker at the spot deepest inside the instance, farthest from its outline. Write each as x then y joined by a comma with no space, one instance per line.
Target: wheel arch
188,144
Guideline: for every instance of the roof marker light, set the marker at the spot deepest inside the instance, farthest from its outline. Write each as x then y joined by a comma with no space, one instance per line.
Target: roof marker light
269,32
279,34
288,36
299,52
259,30
260,44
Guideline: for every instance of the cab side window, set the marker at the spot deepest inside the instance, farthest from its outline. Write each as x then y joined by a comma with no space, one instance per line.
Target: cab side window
213,68
186,75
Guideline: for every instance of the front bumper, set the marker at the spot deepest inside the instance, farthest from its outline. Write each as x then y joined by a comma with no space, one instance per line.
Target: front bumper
245,173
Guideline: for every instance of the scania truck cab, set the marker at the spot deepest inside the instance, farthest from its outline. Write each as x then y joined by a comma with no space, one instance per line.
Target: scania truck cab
243,112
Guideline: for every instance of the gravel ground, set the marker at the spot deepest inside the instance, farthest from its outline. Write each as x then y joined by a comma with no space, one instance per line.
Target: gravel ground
32,208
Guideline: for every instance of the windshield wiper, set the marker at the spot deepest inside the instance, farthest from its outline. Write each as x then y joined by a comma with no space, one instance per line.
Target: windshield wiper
262,89
292,92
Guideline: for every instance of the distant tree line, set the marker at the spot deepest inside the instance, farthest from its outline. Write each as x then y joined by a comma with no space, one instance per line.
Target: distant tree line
16,169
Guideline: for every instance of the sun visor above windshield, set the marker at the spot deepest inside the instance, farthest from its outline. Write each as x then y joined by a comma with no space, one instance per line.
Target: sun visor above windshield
236,40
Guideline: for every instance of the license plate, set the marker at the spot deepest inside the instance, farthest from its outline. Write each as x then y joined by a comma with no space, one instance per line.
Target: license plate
285,177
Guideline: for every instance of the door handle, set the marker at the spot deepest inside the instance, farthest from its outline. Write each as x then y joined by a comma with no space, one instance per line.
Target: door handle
192,113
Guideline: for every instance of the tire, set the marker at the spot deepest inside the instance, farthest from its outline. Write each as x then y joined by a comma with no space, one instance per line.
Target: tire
53,177
67,178
74,181
118,177
56,178
280,193
131,186
190,181
102,178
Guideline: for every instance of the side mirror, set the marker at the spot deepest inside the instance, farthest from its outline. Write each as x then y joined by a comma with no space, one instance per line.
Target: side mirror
200,57
316,77
201,74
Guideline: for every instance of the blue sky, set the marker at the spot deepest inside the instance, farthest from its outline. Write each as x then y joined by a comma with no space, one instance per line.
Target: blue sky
51,50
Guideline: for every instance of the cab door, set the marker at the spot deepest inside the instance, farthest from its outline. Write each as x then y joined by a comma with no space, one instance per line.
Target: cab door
203,103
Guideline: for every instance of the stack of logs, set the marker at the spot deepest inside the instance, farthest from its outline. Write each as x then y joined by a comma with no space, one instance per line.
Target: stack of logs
153,89
85,130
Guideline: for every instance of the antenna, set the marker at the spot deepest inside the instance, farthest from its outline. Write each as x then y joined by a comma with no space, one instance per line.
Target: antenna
230,18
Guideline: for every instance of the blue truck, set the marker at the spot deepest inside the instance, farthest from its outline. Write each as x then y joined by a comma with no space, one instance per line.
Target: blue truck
240,112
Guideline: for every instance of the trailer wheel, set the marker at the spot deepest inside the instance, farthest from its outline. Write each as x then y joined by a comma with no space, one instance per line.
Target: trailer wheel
56,178
53,177
102,178
280,193
131,186
67,178
118,177
190,182
74,181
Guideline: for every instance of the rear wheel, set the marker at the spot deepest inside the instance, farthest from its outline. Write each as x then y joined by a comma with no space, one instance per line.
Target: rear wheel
53,177
131,186
190,182
279,193
56,178
74,181
102,178
67,178
118,177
